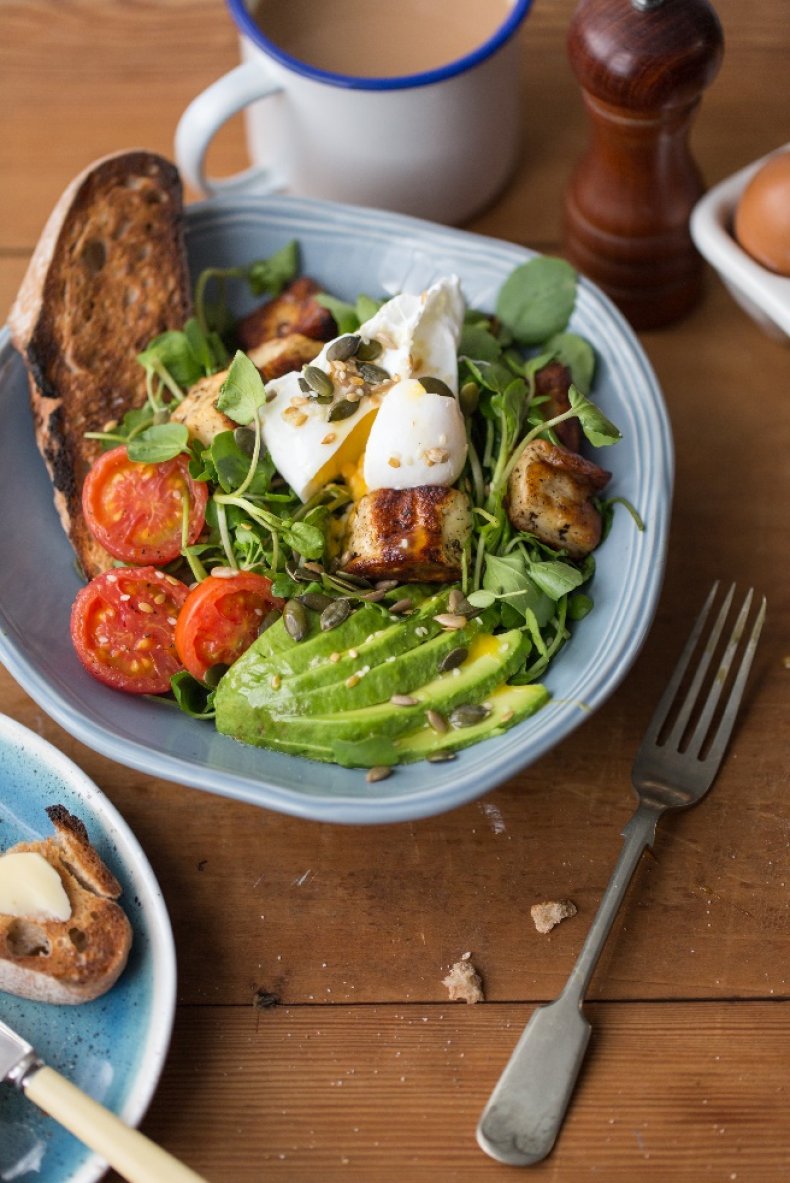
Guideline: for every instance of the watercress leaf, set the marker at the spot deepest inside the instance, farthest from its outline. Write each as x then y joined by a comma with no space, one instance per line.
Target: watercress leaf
164,441
200,346
481,598
231,465
367,307
242,392
599,430
537,299
284,587
173,352
555,578
478,343
306,539
579,606
269,276
345,314
192,697
364,753
577,354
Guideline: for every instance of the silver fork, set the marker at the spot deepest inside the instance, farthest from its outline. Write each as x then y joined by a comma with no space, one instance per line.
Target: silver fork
525,1111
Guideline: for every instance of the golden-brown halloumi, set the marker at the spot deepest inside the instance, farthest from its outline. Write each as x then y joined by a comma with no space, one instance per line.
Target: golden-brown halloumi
408,534
550,494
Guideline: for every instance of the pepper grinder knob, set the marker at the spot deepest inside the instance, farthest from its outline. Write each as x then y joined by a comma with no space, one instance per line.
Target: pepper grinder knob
642,66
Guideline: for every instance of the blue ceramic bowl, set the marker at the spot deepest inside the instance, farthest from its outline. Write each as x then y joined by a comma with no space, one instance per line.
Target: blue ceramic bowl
348,250
114,1047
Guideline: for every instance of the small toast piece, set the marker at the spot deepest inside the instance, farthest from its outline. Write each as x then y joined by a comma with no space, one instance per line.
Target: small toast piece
75,960
109,273
550,494
295,310
414,535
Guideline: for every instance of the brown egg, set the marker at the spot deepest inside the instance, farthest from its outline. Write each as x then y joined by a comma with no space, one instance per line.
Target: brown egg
762,217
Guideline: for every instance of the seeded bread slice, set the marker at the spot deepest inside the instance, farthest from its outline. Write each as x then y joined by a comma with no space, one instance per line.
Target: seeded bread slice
74,960
108,274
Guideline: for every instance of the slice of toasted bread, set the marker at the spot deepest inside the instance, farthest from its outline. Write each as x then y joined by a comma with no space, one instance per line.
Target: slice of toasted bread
109,274
74,960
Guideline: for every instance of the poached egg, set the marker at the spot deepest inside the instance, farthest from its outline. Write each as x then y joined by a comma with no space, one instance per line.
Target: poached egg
400,434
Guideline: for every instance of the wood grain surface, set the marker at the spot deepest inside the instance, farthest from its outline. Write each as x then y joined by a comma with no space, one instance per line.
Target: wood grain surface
364,1071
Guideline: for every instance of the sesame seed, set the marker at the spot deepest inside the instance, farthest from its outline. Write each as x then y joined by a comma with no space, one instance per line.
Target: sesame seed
224,572
403,700
394,462
329,438
124,596
380,772
334,657
353,653
352,681
276,682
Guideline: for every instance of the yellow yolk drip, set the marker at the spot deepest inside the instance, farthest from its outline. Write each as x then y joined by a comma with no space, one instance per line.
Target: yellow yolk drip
347,462
483,645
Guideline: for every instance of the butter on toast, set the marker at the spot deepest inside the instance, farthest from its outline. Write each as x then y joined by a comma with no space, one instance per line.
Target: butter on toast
109,273
72,960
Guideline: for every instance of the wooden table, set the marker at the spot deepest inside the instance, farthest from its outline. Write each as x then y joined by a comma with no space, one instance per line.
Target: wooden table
365,1071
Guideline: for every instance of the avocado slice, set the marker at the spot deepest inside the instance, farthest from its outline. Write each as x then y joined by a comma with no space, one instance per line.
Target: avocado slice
508,705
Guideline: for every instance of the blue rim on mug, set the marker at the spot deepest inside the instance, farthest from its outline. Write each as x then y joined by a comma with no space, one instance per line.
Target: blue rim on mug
245,22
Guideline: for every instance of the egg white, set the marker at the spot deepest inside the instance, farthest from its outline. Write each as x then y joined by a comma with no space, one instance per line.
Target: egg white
417,438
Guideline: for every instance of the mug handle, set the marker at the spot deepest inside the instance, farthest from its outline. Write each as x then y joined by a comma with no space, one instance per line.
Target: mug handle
204,117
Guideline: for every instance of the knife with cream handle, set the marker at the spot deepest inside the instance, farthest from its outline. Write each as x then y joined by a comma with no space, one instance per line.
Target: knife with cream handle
128,1151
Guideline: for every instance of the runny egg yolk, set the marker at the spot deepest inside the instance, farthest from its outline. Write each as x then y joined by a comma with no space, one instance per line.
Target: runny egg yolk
348,461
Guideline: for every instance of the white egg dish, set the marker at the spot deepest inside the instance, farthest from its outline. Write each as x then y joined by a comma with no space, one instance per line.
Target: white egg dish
402,435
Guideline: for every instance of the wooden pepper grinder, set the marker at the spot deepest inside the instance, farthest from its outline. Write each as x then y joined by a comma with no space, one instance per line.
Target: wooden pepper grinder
642,66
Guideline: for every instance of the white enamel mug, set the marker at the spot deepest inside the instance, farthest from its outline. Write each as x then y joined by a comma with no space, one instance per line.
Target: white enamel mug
438,145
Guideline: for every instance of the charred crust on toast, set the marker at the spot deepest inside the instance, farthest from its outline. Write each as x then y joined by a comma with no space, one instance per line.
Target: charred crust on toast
63,821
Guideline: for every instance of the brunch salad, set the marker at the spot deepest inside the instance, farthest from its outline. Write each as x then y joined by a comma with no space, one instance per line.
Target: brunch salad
353,532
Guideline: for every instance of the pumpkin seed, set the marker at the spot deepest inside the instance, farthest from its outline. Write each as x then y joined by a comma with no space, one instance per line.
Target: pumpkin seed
369,350
453,659
469,397
440,757
304,386
244,438
386,585
373,597
271,617
316,601
458,604
334,614
374,375
380,772
436,386
214,673
295,620
343,348
437,721
469,714
318,381
342,410
297,573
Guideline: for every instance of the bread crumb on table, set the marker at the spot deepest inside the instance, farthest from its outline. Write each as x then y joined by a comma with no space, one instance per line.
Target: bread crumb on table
550,913
463,982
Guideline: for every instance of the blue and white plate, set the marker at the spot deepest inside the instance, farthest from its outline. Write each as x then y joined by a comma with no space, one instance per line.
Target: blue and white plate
113,1047
348,250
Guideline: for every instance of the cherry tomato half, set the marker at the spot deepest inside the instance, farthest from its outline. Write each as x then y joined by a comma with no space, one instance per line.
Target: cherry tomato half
135,510
220,620
123,628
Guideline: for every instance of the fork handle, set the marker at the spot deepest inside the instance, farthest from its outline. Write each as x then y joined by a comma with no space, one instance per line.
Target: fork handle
520,1123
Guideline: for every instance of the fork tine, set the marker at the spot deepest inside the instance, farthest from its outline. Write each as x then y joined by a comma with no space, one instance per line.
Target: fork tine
679,727
670,693
716,750
697,739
